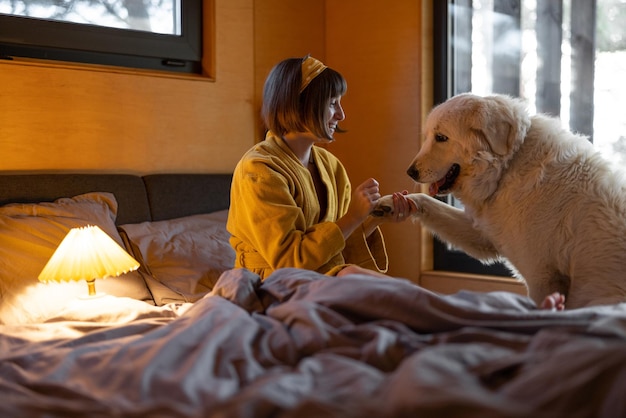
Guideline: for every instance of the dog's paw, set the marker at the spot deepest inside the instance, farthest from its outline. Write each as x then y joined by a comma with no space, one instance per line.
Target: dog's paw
384,207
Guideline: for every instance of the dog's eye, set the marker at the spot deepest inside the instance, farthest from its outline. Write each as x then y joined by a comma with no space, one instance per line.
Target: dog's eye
440,138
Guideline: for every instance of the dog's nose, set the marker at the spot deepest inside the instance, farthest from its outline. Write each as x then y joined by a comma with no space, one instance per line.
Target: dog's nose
413,172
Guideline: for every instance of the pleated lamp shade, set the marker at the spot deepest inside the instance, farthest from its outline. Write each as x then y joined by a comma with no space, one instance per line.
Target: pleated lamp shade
87,253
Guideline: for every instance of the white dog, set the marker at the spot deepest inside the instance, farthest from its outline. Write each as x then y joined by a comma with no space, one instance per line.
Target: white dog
535,196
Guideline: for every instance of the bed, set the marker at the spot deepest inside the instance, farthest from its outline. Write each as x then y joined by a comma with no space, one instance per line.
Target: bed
187,335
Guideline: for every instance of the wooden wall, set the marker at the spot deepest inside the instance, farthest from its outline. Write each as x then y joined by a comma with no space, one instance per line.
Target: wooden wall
71,117
79,118
284,29
378,49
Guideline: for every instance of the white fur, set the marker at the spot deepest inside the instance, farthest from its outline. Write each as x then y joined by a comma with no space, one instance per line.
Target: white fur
535,196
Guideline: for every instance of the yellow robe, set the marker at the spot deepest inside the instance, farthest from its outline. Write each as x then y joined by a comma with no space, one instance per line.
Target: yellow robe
274,216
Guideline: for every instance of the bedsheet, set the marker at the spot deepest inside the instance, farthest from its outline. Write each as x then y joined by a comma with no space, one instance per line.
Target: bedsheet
301,344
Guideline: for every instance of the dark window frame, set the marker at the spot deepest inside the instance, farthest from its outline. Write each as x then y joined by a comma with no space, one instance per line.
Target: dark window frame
90,44
444,258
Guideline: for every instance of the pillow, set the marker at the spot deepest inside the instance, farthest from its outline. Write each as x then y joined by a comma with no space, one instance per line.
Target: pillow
29,235
183,256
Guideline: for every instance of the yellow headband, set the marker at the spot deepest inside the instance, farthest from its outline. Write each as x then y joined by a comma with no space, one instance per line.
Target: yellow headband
311,68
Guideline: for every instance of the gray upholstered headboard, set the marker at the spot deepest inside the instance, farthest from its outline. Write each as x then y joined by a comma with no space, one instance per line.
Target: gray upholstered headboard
148,198
176,195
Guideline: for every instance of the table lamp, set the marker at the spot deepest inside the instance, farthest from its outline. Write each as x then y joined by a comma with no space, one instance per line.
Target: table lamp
87,253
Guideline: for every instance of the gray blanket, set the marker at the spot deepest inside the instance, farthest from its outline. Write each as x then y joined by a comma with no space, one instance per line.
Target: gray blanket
305,345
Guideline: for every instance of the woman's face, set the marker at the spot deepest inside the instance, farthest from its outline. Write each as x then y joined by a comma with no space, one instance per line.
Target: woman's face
334,114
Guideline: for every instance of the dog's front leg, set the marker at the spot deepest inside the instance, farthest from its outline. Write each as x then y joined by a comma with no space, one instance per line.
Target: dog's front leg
450,224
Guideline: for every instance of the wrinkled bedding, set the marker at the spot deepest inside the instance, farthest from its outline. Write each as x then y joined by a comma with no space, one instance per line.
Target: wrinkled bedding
301,344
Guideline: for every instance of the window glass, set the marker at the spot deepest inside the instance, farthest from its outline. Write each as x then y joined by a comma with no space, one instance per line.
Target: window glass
150,34
567,58
548,40
156,16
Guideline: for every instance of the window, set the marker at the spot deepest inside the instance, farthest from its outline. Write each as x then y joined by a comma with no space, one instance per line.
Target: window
150,34
567,58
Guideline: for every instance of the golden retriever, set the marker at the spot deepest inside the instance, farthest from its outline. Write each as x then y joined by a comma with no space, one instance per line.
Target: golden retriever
535,196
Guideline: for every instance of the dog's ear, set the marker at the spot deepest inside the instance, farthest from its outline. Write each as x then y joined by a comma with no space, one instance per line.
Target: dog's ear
502,122
497,134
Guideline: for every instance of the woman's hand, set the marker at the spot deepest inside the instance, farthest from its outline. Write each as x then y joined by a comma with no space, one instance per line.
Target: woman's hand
364,199
403,207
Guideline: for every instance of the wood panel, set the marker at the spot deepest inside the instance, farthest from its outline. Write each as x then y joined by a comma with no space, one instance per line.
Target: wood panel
285,29
450,282
378,49
77,117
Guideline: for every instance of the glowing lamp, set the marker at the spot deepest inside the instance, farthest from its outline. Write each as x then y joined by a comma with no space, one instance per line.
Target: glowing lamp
87,253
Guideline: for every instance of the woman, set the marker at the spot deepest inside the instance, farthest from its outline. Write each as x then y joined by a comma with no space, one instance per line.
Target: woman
292,204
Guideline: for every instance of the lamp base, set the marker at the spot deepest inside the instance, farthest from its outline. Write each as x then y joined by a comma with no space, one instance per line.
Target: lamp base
94,296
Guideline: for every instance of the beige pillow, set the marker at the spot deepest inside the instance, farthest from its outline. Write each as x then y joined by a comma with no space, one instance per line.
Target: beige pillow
185,256
29,235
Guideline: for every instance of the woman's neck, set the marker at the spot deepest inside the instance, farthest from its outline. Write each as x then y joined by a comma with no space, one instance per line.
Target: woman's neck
300,143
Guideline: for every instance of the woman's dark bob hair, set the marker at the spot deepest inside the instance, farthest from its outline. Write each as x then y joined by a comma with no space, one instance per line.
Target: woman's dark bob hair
285,109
